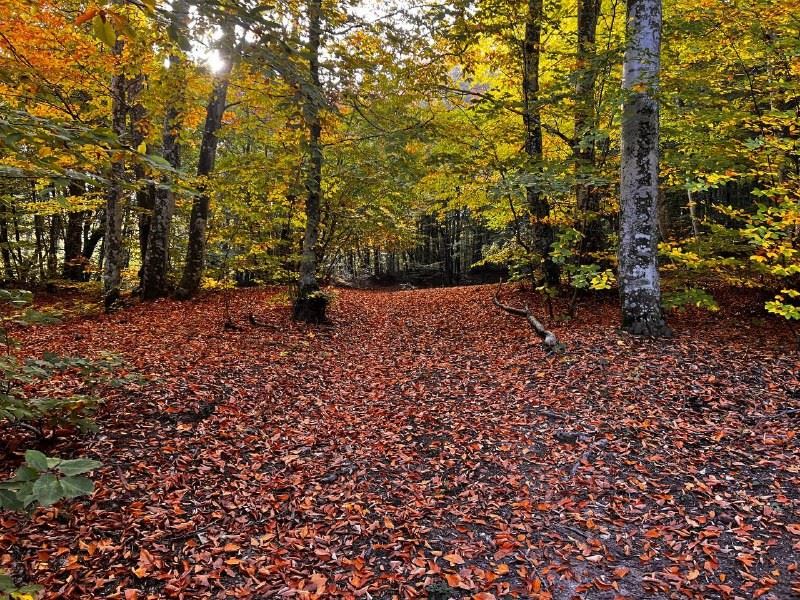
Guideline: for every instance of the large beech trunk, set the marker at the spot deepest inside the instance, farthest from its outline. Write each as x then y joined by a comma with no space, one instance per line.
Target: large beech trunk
638,269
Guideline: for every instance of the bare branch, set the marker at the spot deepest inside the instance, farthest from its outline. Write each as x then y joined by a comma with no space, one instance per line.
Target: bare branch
549,340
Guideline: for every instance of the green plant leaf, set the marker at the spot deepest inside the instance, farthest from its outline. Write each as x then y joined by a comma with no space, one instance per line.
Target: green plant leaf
10,501
25,473
73,487
36,459
78,466
47,490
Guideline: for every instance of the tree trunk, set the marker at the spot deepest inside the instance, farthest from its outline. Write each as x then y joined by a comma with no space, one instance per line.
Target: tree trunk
155,267
73,238
537,203
112,240
145,190
52,246
638,269
586,195
198,221
39,256
5,244
693,215
310,305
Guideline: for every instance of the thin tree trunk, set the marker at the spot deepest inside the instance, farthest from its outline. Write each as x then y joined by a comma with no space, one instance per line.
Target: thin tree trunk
310,307
112,240
5,247
693,215
638,269
73,238
39,255
538,205
145,191
198,221
52,246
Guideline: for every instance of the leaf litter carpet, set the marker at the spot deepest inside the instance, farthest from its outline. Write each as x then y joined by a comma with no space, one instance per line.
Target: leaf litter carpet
423,446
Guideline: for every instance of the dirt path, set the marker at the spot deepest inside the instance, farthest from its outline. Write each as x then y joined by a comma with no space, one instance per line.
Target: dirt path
424,443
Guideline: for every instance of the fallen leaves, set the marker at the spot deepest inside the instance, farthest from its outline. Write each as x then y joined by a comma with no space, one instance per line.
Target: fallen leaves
413,443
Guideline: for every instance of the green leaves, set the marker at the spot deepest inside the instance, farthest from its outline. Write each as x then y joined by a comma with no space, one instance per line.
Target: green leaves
78,466
45,480
36,460
690,297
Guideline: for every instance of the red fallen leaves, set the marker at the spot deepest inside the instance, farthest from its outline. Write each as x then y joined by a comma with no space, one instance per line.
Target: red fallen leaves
417,441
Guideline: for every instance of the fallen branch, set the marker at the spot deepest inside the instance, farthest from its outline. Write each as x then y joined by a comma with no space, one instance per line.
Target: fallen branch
549,340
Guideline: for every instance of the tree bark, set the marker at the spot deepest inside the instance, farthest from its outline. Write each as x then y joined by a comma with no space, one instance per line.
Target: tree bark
73,238
198,221
155,267
5,243
112,240
586,196
638,268
538,205
52,246
309,305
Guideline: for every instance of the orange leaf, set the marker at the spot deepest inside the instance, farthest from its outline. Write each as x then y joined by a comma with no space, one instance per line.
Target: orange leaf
84,18
501,569
454,559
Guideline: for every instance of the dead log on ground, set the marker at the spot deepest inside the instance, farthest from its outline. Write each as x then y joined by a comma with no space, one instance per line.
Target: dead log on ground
549,340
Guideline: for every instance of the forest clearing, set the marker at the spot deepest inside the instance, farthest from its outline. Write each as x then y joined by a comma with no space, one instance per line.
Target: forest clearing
448,300
424,440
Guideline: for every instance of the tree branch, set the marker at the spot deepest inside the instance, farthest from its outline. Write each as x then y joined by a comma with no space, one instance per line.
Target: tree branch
549,340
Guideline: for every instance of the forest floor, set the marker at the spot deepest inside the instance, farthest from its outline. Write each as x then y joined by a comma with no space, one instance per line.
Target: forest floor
423,446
